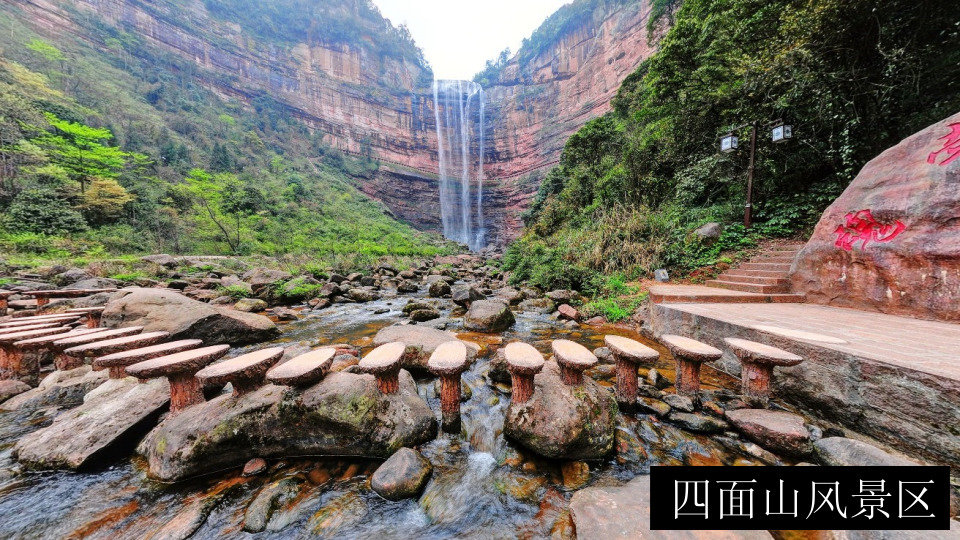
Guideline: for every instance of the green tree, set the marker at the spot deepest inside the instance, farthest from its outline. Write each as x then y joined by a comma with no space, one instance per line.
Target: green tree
82,151
104,201
43,211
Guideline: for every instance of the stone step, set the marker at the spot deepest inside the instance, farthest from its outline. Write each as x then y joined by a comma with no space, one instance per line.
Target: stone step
698,294
748,287
757,273
774,267
773,259
759,280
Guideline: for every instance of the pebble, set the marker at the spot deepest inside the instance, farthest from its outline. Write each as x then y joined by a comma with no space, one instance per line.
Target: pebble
576,474
652,406
681,403
254,467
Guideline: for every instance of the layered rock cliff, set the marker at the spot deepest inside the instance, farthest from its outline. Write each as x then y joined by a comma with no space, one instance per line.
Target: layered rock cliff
368,100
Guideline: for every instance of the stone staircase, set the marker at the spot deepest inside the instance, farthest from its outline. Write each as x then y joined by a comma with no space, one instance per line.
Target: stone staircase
766,273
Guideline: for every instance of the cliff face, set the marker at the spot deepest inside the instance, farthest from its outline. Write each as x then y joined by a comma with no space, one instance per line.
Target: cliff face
538,104
368,102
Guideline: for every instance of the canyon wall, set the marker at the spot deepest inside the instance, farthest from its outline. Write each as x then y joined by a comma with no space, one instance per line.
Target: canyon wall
370,103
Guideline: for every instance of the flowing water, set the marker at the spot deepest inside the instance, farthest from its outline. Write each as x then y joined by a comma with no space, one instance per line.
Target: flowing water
459,113
483,486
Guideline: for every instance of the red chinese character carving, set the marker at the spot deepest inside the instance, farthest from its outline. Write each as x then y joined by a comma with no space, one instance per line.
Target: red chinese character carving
862,226
951,146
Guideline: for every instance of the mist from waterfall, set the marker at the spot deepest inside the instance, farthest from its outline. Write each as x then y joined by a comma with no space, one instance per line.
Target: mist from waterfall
459,110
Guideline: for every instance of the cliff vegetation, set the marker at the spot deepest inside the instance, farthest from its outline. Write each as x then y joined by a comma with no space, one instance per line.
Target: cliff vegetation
113,147
852,77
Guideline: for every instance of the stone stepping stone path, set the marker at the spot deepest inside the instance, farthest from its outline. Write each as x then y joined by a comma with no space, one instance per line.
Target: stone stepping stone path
180,369
92,314
384,363
573,359
523,362
304,370
758,361
448,362
43,297
110,346
689,354
117,362
66,361
245,373
628,354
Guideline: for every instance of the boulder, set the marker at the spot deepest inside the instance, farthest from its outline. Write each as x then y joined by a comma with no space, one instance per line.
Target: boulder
94,283
488,316
889,242
510,295
161,259
537,305
421,341
564,422
569,312
708,233
563,296
839,451
624,512
12,387
778,431
361,295
439,289
250,305
423,315
263,278
167,311
61,389
402,476
108,414
342,415
698,423
464,295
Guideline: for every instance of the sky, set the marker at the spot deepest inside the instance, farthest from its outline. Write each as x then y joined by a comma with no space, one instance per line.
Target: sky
458,37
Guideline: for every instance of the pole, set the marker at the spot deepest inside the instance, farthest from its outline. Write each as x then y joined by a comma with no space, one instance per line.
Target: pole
753,149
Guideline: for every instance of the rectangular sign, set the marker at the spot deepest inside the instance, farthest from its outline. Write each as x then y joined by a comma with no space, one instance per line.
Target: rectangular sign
800,498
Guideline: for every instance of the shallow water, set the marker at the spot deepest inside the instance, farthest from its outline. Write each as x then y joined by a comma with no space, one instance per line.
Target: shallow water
482,485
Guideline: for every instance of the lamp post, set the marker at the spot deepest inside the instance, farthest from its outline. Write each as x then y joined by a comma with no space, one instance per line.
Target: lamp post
730,142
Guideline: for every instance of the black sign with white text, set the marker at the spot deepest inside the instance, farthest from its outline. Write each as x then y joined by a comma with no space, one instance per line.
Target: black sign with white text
800,498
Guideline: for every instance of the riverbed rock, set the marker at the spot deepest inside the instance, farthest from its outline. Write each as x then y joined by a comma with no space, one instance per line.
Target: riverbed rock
464,295
250,305
843,451
271,498
12,387
342,415
402,476
420,340
698,423
564,422
167,311
488,316
423,315
537,305
108,414
888,243
778,431
624,512
61,389
439,289
261,279
569,313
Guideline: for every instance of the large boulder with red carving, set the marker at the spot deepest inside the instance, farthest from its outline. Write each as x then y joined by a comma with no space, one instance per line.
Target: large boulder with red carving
891,241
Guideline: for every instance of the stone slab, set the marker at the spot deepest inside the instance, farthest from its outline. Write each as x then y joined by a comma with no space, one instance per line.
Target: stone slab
894,378
110,411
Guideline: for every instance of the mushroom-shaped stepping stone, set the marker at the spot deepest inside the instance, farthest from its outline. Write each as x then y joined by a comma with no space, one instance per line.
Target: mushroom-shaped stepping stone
43,297
573,359
4,296
62,320
303,371
384,363
689,354
523,362
117,362
11,356
758,361
180,369
628,354
92,313
28,327
115,345
448,361
244,372
64,361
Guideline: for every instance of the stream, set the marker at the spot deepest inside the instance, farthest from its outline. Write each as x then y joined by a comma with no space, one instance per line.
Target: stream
483,486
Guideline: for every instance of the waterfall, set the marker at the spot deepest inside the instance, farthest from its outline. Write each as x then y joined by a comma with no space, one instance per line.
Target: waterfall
459,112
